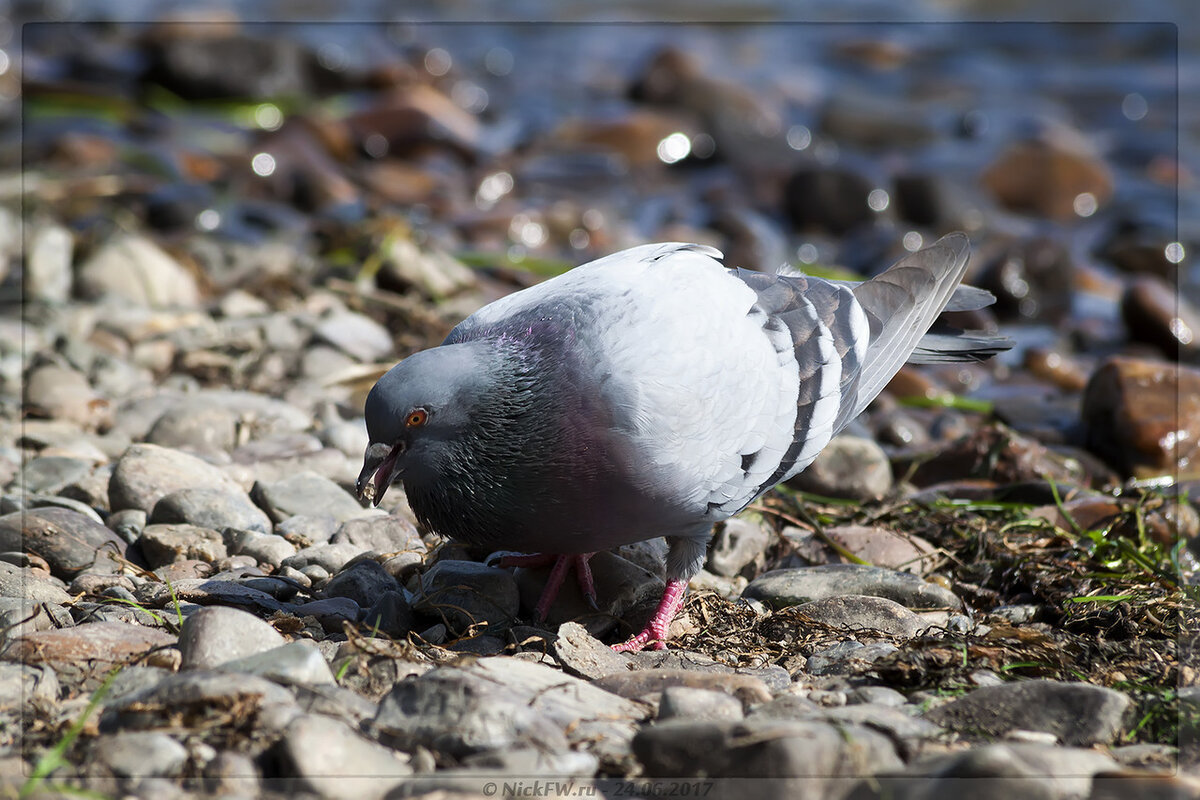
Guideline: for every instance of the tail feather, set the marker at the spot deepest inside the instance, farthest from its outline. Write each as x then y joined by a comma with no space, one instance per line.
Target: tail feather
901,305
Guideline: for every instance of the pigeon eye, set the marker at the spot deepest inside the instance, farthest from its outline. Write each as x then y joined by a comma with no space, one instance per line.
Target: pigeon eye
416,418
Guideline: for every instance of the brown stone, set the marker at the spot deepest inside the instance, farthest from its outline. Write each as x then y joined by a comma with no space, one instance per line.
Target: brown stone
1143,417
1155,313
87,651
1044,176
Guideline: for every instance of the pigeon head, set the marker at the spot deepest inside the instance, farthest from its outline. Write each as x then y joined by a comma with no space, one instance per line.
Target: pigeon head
419,414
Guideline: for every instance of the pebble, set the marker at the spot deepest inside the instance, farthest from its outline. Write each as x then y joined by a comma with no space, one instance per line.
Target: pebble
69,542
264,548
32,584
332,613
166,544
214,636
1079,714
685,702
295,663
850,467
196,426
624,590
356,335
24,683
211,508
388,533
330,760
201,696
146,473
813,754
390,614
83,654
133,269
847,657
363,582
1143,417
739,543
1155,312
584,655
305,493
464,593
792,587
648,684
329,557
304,530
1044,174
140,754
882,547
876,695
1032,770
51,474
48,275
864,613
62,393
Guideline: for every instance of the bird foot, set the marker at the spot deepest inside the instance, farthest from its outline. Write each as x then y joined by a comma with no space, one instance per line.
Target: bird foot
562,564
655,634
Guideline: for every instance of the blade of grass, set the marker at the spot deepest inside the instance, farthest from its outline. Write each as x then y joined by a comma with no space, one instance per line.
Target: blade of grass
55,757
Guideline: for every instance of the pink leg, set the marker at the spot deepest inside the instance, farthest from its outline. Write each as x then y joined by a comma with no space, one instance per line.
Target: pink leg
583,574
656,631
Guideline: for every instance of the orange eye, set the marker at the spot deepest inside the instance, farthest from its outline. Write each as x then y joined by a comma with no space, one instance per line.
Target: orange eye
416,418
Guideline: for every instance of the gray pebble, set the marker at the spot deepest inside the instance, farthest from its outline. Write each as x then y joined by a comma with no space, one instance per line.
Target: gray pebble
683,702
23,683
1077,713
197,426
388,533
211,508
876,695
128,524
294,663
356,335
584,655
306,529
331,613
329,557
146,473
49,474
264,548
214,636
791,587
140,754
31,584
48,274
202,693
305,493
135,270
331,760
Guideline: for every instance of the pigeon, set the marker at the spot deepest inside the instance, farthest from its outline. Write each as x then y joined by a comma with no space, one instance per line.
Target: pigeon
652,392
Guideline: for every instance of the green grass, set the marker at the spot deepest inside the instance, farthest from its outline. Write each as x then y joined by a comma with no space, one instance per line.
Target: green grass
55,758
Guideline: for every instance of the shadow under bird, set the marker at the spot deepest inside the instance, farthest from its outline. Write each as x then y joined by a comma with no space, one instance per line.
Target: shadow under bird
649,393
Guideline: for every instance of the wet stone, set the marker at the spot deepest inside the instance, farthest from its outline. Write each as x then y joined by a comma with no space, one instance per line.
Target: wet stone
146,473
294,663
1143,417
465,593
214,636
363,582
850,467
69,542
792,587
305,493
1077,713
1156,313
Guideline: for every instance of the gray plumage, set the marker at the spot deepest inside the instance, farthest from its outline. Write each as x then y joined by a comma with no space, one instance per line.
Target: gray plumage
649,393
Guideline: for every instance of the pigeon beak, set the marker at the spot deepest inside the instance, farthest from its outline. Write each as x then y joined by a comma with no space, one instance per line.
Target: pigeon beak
378,472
